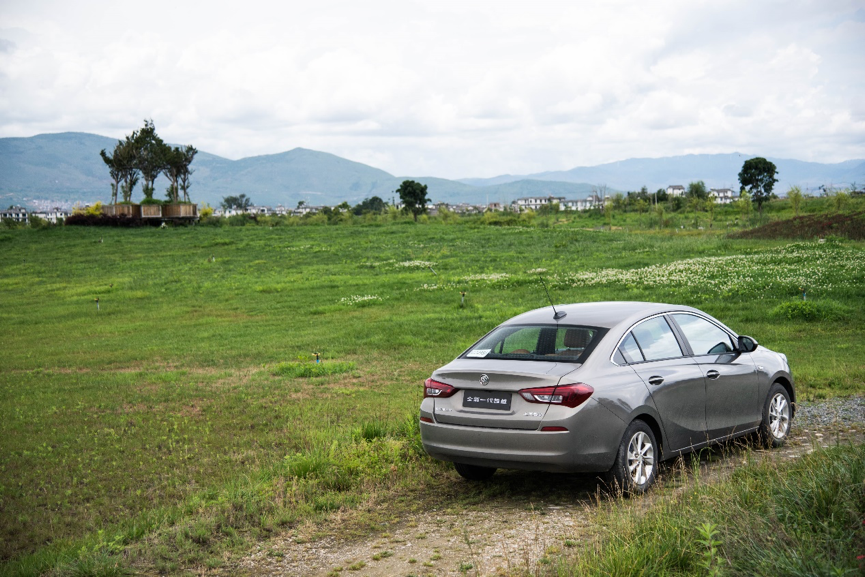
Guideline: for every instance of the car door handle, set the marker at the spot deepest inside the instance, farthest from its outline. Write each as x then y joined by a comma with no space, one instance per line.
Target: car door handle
713,374
656,380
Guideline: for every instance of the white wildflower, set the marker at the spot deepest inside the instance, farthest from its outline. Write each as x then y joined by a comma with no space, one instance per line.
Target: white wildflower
355,299
415,264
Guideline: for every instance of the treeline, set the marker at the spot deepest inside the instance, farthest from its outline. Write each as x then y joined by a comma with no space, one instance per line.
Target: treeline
143,156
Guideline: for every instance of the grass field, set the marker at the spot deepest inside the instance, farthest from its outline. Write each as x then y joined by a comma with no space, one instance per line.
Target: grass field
181,421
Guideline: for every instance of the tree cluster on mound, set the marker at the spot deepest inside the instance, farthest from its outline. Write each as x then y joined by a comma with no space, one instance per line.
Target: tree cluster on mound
144,155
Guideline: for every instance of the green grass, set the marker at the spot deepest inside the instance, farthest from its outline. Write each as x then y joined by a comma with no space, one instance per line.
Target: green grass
176,424
310,369
800,518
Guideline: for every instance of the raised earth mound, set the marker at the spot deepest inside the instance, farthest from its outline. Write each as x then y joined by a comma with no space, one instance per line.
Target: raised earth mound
841,224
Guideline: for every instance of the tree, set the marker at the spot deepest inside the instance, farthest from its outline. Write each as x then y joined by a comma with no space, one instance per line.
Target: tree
150,156
413,197
758,178
695,203
795,196
710,206
839,199
173,162
659,209
115,171
744,204
549,208
122,168
373,205
697,190
240,202
187,156
642,205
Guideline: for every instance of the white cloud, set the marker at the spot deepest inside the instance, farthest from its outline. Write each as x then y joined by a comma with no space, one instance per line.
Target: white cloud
451,89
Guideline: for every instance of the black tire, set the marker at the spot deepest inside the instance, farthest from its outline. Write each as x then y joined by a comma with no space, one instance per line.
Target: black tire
637,460
473,472
777,417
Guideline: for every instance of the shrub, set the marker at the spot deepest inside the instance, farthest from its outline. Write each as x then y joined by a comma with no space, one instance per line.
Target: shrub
94,209
240,219
810,311
38,222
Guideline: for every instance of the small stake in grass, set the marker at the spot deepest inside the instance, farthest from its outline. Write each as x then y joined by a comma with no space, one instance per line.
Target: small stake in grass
97,304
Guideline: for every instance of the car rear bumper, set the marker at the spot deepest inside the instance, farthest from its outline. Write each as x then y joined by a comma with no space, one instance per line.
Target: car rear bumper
587,447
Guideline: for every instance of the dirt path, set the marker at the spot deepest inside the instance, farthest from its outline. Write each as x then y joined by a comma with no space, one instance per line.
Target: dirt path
515,530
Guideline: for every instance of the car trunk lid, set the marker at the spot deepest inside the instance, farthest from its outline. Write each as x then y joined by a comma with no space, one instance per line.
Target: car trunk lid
487,395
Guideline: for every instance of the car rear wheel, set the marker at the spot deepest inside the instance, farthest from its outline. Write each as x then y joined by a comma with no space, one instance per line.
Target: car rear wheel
636,461
473,472
777,413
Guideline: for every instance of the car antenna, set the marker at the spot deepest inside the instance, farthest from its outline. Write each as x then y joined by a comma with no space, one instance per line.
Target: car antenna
557,314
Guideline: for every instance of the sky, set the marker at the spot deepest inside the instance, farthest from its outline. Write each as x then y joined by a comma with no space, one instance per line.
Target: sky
440,88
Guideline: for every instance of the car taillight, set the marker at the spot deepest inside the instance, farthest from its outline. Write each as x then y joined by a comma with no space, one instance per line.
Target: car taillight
437,390
566,395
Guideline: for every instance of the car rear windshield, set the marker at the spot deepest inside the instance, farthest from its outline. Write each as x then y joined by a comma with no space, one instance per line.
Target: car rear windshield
555,343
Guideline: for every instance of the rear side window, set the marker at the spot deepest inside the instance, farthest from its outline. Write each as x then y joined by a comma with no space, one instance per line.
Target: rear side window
630,351
656,339
704,337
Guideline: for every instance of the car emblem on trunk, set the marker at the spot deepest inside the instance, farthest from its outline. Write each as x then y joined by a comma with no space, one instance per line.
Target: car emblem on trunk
485,380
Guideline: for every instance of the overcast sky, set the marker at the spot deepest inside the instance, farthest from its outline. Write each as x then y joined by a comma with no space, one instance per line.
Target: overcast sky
441,88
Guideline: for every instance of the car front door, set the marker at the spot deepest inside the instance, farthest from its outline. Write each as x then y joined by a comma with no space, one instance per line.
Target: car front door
674,380
732,405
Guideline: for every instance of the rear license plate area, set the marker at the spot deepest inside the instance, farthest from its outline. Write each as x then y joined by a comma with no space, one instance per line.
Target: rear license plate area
487,400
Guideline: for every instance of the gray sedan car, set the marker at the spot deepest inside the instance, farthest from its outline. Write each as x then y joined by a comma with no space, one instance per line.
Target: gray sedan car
613,387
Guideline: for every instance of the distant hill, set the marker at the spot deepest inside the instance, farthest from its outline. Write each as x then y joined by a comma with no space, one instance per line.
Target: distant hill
66,168
716,170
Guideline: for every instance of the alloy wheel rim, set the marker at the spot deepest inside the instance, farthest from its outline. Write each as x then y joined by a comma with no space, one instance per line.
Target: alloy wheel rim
779,416
641,458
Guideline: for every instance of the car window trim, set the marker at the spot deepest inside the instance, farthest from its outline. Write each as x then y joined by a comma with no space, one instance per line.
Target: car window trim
680,335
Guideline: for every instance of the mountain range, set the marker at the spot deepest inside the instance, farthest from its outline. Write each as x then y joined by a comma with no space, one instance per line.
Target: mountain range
65,168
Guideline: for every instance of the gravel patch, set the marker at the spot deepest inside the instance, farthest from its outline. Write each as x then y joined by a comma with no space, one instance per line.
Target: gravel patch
833,412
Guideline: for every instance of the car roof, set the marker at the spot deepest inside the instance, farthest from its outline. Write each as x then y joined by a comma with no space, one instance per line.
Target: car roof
598,314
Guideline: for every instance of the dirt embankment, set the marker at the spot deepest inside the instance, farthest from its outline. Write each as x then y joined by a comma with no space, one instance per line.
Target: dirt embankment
535,516
842,224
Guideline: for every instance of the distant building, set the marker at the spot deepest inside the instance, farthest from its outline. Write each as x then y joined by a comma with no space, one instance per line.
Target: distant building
675,190
53,216
536,202
591,201
722,195
14,213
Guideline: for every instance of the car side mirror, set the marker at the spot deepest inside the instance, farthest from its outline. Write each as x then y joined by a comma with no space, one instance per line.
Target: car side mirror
746,344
